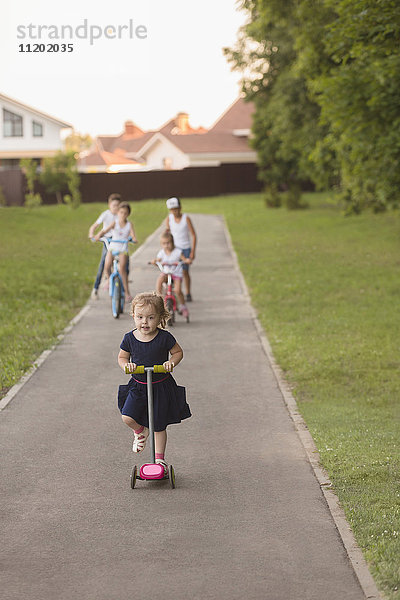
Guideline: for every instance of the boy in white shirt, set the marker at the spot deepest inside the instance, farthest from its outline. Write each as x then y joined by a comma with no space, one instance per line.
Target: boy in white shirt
181,227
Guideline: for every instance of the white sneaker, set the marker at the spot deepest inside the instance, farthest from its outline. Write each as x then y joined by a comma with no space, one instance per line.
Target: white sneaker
95,294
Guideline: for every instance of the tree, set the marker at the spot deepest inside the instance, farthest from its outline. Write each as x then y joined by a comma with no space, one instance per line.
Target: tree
59,174
77,142
286,123
30,169
327,99
359,98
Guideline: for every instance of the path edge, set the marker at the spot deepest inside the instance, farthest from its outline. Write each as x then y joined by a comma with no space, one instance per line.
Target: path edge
13,391
42,357
353,551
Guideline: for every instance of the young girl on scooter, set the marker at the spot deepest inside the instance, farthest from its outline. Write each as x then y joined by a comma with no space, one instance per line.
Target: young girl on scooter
170,255
150,344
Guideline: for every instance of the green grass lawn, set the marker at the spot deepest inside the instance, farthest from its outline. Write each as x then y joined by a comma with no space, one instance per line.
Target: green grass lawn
47,270
326,289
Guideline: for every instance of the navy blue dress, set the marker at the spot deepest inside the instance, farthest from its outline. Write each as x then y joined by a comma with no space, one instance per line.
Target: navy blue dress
169,399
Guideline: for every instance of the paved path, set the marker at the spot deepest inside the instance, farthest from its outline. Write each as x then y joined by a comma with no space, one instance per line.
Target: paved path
247,520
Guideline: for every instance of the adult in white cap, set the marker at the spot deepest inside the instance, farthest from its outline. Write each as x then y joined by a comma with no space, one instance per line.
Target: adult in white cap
181,227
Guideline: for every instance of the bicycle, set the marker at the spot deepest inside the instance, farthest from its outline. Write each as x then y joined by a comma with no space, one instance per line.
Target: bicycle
169,296
116,287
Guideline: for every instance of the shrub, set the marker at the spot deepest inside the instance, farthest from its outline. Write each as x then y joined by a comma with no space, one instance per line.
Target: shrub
32,200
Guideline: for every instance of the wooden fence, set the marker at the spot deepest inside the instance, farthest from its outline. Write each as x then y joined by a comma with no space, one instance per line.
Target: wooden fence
12,183
190,182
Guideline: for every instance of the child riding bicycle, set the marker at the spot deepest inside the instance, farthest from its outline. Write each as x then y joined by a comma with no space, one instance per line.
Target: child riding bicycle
105,219
169,255
122,230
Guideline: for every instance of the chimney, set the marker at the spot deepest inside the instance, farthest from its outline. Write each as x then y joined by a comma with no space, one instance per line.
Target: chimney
182,122
131,129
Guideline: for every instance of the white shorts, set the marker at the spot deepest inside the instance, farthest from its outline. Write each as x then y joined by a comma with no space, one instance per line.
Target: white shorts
118,247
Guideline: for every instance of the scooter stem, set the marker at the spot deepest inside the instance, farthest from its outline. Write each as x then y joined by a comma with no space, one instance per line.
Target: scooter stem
149,371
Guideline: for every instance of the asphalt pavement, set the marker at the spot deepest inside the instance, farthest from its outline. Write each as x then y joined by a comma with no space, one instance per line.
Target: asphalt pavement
247,519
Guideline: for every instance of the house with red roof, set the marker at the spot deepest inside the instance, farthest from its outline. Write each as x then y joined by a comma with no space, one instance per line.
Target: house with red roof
176,145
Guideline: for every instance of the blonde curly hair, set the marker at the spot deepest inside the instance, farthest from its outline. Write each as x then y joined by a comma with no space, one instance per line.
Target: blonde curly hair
167,235
155,300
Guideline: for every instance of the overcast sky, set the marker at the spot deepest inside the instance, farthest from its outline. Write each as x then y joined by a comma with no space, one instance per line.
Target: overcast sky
147,77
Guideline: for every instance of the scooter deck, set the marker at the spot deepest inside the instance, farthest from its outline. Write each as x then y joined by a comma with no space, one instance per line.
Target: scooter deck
135,475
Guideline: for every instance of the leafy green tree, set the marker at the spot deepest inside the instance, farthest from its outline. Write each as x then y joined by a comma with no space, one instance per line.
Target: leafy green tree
286,123
324,76
77,142
59,174
73,199
30,169
352,66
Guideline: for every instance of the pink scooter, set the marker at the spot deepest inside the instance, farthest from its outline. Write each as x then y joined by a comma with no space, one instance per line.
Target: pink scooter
151,471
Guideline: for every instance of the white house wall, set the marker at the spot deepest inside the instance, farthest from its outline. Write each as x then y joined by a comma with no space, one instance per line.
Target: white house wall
27,143
161,150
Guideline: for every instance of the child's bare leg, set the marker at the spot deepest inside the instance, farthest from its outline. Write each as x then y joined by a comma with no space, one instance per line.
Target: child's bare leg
107,264
123,259
131,422
178,291
141,433
160,438
186,280
162,278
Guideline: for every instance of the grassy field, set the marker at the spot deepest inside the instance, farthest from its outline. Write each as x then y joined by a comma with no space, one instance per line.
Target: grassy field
326,289
47,270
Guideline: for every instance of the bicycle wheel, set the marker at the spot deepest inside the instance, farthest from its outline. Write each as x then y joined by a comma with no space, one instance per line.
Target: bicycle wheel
116,298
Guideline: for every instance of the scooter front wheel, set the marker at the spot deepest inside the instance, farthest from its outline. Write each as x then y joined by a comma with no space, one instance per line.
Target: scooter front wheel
171,474
133,477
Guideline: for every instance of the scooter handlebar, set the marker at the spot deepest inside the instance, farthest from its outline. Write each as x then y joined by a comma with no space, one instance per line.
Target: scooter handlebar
142,368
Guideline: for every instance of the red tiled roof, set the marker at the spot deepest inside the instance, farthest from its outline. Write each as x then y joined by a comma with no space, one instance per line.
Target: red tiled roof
106,141
223,141
101,157
123,142
171,128
220,138
131,146
237,116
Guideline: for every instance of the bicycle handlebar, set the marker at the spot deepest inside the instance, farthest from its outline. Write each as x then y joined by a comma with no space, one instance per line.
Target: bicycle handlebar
142,369
161,265
108,240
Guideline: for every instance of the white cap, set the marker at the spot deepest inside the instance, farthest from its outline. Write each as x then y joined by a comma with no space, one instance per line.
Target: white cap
173,203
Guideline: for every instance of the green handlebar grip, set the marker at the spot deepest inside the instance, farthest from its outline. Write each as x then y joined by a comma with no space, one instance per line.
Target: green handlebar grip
139,369
160,369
